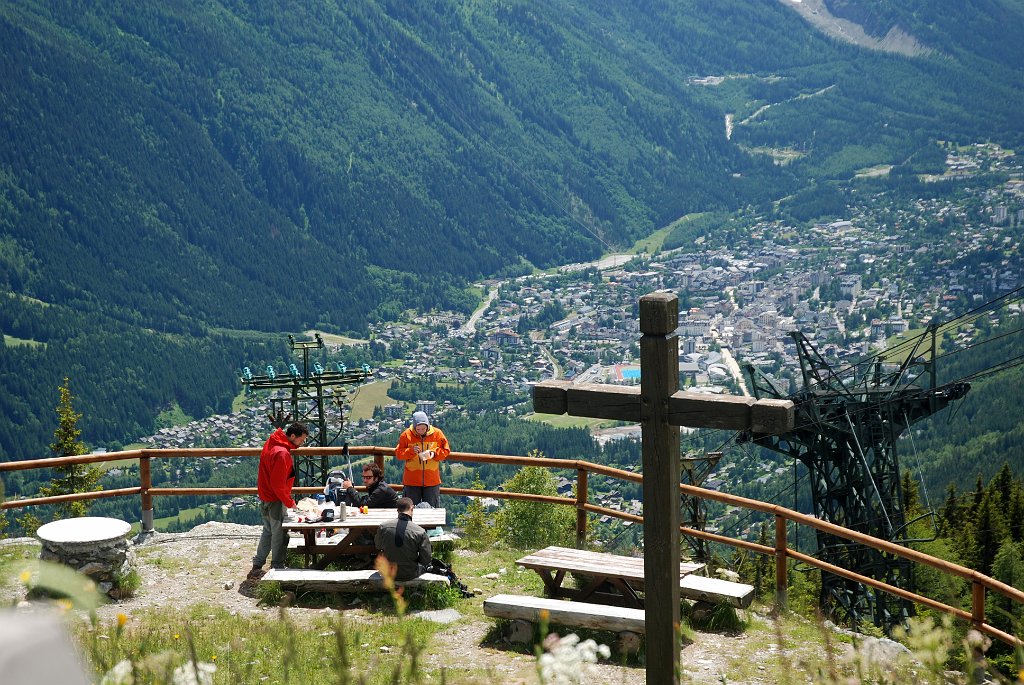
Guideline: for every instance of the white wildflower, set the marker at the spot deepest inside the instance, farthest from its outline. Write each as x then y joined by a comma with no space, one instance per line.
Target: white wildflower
199,673
121,674
726,574
565,661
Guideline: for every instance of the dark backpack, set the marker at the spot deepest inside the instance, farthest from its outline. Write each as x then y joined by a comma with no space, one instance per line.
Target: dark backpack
442,569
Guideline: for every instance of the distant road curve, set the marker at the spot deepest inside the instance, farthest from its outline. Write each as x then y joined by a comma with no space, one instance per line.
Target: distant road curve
469,327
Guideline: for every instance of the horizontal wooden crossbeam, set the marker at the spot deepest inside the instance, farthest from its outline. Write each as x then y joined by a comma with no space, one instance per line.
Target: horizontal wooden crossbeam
685,408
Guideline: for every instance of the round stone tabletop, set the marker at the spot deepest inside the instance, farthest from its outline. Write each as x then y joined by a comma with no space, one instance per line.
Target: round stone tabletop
86,529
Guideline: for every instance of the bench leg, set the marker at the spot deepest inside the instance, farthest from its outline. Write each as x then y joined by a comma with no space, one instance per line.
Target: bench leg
520,631
628,642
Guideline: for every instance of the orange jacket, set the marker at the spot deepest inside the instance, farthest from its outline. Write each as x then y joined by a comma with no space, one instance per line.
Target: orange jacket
276,475
410,444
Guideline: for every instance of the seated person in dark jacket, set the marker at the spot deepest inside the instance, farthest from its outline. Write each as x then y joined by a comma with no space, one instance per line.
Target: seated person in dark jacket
379,494
404,543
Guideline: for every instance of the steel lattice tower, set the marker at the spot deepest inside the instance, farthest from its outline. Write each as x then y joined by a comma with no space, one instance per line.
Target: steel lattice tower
305,394
847,425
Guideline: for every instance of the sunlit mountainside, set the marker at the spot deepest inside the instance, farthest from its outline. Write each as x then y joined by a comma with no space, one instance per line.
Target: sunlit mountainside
175,177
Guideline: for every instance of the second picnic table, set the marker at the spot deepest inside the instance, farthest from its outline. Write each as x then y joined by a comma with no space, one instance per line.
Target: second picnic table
610,578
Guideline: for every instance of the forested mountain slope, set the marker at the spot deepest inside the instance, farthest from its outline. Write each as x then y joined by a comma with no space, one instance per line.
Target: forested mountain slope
174,167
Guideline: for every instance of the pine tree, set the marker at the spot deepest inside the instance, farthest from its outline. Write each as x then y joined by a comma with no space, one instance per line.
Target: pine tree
990,531
1008,567
911,497
75,477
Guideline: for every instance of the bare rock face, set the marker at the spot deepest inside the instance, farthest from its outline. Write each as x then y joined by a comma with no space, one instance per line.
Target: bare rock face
818,15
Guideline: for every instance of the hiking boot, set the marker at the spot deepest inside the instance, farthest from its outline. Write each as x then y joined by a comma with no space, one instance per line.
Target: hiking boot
255,574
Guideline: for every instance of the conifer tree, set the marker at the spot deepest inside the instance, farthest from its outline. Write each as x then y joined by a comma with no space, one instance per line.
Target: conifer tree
911,497
990,532
75,477
1003,484
1008,567
950,517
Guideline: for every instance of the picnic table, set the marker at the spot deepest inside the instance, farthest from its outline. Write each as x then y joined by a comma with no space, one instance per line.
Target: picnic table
346,537
619,580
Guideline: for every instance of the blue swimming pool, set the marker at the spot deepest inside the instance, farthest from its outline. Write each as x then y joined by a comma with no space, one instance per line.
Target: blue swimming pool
631,374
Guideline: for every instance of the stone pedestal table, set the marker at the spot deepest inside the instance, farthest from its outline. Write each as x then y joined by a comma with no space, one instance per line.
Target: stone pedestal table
92,545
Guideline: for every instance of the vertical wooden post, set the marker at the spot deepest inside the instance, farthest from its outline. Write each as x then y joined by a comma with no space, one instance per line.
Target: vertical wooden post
977,604
781,570
146,482
581,512
659,379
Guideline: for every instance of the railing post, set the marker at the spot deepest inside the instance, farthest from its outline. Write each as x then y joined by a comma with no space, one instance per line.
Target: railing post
977,604
146,482
581,512
781,571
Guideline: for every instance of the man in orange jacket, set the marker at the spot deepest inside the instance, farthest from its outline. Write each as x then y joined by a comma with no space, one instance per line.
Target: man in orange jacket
422,447
274,483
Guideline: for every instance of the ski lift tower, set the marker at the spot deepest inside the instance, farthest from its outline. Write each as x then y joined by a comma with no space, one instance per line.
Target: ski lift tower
302,396
846,426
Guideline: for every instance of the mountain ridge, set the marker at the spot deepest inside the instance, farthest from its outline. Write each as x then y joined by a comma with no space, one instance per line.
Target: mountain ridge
176,171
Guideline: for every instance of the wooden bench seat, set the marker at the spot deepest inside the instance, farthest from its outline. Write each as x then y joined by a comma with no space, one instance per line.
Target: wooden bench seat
343,581
716,591
566,613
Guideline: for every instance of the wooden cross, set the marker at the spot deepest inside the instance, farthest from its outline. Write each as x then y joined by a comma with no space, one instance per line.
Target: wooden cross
661,408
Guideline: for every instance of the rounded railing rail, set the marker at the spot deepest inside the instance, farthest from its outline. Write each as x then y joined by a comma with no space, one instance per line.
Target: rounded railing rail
980,583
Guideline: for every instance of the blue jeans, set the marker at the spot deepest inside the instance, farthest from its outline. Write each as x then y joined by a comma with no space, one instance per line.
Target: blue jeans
431,494
273,540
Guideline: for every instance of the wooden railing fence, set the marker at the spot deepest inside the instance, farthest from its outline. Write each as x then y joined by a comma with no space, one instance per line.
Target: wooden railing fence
980,583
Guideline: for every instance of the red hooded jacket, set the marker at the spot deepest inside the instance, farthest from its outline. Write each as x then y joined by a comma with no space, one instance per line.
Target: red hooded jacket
277,470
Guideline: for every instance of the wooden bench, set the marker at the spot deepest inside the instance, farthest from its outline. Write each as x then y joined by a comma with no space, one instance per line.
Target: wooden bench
716,591
566,613
343,581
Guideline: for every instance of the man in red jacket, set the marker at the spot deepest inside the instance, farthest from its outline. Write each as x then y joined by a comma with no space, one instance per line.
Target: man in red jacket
274,484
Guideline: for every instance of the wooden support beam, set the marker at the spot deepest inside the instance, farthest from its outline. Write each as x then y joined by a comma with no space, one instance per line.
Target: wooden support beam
659,379
685,407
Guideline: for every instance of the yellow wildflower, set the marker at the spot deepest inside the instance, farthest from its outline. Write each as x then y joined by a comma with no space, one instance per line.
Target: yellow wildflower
121,620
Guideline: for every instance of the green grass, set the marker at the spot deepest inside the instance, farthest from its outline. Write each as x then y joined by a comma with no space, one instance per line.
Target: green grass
566,421
332,339
273,648
239,403
369,396
652,243
161,523
11,341
173,416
